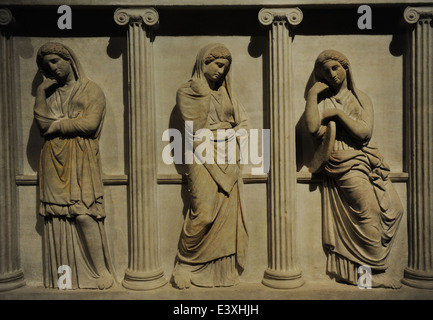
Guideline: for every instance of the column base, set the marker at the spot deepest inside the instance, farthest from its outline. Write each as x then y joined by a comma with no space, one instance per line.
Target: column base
282,279
418,279
12,280
136,280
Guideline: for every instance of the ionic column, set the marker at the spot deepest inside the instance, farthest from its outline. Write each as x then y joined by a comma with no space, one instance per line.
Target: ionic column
282,271
11,275
144,271
419,272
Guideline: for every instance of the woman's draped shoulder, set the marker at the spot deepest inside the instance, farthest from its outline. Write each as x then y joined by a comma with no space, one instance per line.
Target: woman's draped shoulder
193,101
94,91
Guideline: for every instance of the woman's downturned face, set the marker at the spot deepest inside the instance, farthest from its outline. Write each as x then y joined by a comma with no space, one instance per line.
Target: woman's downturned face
333,73
216,70
58,67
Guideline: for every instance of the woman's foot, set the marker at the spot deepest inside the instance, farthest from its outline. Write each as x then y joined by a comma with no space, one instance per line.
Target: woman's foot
181,277
382,280
105,280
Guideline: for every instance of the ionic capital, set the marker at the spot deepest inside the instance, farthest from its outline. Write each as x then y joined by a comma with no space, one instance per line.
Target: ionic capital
414,14
269,15
5,17
148,16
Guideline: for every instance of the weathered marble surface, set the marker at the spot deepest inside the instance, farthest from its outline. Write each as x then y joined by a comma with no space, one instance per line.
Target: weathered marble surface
174,41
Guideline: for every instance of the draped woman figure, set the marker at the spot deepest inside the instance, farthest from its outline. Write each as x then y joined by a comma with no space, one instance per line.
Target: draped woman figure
69,110
362,210
213,242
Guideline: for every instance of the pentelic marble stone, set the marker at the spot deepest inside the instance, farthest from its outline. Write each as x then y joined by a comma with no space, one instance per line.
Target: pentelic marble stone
227,149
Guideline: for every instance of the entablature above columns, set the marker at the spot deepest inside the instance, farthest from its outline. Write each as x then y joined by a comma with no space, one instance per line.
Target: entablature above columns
213,3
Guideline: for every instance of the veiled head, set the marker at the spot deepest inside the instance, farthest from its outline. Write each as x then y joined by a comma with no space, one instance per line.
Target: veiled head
331,67
51,49
218,52
207,55
213,64
62,52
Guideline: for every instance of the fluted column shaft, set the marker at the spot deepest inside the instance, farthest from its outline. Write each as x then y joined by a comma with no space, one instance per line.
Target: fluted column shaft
11,275
144,271
419,272
282,271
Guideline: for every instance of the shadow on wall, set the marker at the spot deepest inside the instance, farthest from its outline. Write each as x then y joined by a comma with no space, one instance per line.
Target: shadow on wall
399,46
34,145
258,47
176,122
35,140
117,47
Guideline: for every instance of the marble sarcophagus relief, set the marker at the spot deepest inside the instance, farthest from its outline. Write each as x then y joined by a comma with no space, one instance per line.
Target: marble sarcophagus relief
161,145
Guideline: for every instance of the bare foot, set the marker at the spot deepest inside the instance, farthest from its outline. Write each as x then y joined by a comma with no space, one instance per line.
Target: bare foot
181,277
382,280
105,280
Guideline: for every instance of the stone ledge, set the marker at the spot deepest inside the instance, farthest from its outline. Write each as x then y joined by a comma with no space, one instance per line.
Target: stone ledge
323,290
122,179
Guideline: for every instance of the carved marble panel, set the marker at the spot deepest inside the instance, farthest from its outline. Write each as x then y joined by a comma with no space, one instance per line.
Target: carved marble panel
140,53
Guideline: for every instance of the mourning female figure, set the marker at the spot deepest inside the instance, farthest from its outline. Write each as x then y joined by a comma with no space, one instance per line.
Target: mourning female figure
362,210
213,242
69,110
